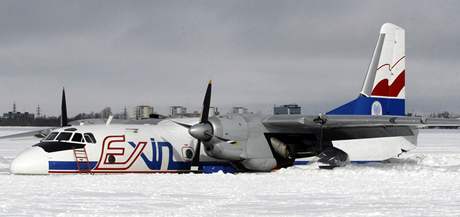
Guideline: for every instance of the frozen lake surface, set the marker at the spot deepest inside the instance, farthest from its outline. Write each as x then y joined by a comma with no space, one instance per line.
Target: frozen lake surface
424,182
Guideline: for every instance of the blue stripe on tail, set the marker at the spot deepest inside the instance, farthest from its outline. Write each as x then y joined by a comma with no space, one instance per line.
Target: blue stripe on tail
363,106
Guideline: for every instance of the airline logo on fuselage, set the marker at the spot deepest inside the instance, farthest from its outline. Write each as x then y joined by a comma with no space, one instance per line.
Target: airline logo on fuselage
117,154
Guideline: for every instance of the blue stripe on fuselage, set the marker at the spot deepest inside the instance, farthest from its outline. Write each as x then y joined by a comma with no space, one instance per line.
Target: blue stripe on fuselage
70,165
155,163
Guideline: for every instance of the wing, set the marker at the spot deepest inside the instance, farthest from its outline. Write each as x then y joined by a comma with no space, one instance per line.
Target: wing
36,133
341,127
306,136
349,121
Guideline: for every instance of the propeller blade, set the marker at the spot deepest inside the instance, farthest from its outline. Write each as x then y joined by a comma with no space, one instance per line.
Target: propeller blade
223,139
206,104
218,137
196,157
182,124
64,120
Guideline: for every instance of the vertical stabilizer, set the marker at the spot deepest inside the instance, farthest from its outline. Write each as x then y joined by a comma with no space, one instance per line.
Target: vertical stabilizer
386,74
383,91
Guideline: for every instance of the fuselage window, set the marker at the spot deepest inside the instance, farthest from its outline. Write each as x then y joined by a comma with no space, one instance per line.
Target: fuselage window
89,137
64,136
51,136
77,137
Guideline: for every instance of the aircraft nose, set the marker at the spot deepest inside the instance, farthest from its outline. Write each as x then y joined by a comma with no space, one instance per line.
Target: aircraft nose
32,161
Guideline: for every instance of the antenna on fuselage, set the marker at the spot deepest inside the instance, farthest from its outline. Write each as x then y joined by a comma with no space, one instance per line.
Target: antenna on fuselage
109,120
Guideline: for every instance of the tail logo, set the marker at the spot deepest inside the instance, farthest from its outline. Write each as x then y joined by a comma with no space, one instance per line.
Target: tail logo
384,89
376,109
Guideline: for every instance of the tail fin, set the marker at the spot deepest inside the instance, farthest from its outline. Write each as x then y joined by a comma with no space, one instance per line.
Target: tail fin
383,91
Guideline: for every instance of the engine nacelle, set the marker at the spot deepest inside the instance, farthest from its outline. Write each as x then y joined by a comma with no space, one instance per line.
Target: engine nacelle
227,151
247,143
232,127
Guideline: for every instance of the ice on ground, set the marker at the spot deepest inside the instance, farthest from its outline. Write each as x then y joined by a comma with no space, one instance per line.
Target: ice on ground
424,182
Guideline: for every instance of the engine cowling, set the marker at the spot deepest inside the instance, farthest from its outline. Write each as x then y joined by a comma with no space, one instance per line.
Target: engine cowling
232,127
246,142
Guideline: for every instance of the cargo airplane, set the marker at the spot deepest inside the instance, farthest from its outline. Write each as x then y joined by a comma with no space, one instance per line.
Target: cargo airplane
373,127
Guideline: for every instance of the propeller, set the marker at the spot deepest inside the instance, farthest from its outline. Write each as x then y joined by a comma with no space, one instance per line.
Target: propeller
202,131
64,120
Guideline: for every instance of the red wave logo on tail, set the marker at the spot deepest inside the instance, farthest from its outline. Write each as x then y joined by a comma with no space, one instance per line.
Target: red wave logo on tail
384,89
393,90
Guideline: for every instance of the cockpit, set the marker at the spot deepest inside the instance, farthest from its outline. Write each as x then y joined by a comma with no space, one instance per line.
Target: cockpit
73,137
66,140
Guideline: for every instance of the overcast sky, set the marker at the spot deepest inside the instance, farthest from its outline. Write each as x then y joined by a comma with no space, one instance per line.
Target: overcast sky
258,53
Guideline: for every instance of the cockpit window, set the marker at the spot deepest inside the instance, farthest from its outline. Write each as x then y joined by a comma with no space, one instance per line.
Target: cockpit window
77,137
89,137
64,136
51,136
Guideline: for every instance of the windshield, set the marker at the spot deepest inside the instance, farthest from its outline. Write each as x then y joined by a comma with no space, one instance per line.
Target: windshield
64,136
89,137
51,136
77,137
73,137
61,141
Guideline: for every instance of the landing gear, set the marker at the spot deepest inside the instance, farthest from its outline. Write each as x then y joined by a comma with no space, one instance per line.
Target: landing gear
332,157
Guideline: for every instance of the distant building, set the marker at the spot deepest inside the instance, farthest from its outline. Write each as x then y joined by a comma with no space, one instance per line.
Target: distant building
39,114
290,109
125,113
18,116
142,112
177,111
239,110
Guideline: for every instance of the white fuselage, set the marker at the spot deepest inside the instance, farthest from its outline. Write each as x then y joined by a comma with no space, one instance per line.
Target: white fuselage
165,147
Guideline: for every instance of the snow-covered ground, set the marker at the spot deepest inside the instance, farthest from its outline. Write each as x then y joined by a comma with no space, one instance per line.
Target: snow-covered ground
425,182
